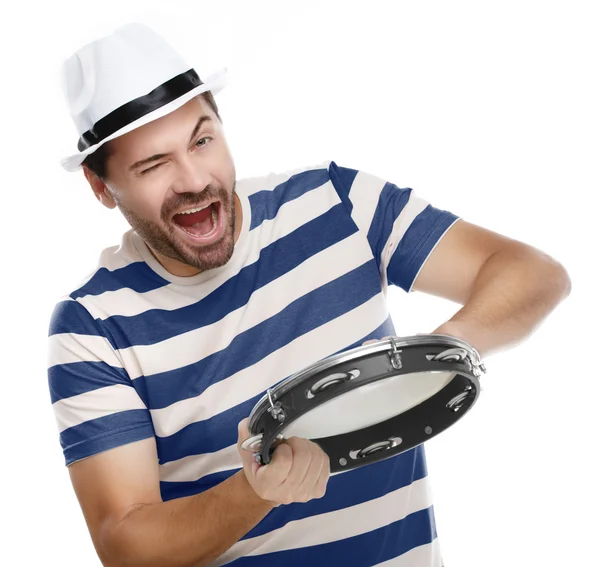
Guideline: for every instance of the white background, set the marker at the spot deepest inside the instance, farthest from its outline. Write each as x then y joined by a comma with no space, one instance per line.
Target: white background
489,110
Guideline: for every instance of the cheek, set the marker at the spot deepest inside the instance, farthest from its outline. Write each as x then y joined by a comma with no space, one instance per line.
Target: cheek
223,160
230,178
147,206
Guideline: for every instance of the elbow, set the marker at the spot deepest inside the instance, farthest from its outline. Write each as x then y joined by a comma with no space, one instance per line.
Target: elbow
118,546
549,275
112,548
126,543
566,283
545,276
561,281
556,281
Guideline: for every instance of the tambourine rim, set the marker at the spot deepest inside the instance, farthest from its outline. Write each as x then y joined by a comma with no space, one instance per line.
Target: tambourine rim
384,344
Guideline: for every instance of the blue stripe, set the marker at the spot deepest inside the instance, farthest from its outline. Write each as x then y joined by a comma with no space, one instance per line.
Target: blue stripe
342,179
295,320
66,380
206,436
392,201
171,490
72,317
416,244
220,431
343,490
366,549
278,258
137,276
351,488
103,433
266,204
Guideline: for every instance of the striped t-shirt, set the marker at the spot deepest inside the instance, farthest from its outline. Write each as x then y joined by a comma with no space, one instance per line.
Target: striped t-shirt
136,352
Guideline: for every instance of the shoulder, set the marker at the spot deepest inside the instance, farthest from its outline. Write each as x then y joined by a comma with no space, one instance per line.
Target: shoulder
110,271
278,179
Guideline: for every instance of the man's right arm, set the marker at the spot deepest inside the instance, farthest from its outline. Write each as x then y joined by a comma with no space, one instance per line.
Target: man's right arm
118,491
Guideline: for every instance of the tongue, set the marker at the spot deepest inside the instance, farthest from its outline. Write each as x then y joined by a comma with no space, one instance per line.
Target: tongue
197,223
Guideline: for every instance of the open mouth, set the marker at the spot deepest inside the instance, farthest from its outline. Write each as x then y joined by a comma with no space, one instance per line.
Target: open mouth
201,223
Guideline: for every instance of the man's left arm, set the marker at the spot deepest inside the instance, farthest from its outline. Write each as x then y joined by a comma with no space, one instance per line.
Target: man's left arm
506,287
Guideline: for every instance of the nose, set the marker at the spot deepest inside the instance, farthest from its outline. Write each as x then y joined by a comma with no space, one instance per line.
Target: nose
192,176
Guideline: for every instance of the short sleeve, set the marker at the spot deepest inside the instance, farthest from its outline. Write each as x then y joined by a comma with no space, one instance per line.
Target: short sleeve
401,227
96,406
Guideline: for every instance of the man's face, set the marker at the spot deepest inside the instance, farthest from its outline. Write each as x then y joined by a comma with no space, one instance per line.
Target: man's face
160,174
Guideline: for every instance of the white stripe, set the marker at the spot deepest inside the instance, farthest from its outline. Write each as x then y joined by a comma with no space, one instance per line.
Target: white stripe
117,257
97,403
112,258
364,194
291,215
414,206
194,467
271,180
65,348
336,525
188,348
423,556
252,380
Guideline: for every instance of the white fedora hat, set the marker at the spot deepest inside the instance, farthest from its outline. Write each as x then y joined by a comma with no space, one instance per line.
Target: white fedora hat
123,81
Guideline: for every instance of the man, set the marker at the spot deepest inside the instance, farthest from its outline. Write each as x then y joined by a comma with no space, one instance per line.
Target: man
221,289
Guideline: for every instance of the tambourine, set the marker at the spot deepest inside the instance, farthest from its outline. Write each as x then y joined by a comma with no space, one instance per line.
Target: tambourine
371,402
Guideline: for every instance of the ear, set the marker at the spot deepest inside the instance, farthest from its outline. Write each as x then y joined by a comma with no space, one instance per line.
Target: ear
99,188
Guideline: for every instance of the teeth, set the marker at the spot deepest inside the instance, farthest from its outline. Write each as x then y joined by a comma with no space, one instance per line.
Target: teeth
214,219
190,211
214,223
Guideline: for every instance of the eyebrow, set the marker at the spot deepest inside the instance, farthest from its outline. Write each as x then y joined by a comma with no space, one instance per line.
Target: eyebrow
155,157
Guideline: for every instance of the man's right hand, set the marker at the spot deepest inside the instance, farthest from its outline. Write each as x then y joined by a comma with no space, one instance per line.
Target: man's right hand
298,471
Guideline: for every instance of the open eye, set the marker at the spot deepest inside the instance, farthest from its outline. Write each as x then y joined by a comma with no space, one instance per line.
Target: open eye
198,144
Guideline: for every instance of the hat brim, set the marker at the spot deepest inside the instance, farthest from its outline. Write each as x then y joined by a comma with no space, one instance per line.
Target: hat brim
214,83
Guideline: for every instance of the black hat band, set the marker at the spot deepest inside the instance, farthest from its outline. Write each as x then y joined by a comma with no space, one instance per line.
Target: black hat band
136,108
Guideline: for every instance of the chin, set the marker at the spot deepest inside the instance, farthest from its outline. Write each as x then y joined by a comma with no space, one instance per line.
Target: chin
206,257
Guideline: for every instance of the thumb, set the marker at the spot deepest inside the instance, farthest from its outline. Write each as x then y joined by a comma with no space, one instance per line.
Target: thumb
248,460
243,432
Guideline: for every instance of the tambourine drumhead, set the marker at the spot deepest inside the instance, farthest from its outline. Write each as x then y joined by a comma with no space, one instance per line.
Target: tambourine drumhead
368,405
370,402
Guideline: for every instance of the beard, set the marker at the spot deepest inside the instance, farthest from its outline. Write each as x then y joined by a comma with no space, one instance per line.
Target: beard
164,238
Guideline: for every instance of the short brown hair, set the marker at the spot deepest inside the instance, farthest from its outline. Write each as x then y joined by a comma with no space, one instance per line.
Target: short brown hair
96,161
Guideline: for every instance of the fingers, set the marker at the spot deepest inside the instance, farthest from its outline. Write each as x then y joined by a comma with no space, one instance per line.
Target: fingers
310,472
298,471
324,474
302,458
318,473
243,432
370,341
278,470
